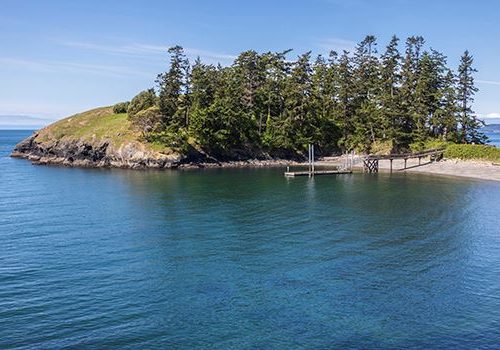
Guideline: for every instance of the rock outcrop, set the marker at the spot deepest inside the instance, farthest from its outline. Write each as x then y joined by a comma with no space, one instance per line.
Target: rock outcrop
101,153
96,138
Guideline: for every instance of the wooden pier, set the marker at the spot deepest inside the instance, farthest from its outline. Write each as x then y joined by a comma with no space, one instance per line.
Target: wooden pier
311,171
316,172
370,163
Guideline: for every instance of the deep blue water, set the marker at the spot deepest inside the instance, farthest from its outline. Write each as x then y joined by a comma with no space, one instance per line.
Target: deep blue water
244,259
494,138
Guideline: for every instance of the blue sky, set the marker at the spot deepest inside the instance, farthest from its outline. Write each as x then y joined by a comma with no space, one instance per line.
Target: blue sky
61,57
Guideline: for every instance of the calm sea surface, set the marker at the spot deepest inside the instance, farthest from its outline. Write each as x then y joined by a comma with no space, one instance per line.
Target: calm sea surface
244,259
494,138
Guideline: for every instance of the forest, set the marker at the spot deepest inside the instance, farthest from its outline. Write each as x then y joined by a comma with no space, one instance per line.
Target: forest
266,103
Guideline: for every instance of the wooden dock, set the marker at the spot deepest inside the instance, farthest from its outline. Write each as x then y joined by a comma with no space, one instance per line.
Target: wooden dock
316,173
370,163
311,171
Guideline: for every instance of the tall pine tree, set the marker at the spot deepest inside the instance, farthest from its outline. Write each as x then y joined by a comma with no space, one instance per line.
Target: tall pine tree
469,123
173,84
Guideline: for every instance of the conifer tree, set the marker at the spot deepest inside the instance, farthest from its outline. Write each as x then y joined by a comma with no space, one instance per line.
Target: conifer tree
345,107
390,84
172,85
350,101
278,70
366,85
409,78
469,123
297,126
446,124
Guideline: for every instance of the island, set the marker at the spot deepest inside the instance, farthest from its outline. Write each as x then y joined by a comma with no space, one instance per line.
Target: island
266,108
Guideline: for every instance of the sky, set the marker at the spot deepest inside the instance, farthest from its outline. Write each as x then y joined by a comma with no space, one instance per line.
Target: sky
60,57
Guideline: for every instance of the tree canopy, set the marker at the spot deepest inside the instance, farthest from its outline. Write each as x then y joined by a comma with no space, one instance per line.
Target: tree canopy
346,101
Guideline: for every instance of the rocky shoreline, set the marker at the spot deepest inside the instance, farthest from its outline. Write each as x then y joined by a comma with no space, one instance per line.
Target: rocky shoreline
98,154
133,155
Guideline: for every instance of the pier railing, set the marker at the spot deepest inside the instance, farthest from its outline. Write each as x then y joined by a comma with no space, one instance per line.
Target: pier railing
371,162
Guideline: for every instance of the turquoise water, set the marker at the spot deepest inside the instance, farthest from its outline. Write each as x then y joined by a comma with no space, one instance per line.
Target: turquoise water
225,259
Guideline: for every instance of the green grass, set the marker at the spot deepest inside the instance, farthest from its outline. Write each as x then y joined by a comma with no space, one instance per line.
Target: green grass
473,152
95,125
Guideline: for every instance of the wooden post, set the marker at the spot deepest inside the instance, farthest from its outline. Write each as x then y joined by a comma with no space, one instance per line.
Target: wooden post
312,158
309,159
419,158
370,165
391,165
405,162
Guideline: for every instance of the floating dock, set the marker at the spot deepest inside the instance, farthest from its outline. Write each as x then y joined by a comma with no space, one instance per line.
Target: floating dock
311,171
316,173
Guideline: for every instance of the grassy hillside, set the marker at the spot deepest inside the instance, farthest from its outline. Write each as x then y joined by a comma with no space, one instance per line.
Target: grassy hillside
99,123
95,125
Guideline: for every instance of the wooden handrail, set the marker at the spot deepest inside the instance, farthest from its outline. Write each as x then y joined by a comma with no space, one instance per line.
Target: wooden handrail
421,154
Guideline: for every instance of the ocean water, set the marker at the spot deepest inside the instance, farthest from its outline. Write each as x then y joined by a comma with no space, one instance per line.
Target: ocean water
244,259
493,138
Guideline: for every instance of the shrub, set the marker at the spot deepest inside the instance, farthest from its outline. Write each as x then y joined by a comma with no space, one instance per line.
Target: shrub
429,144
475,152
144,100
174,138
147,121
120,107
381,147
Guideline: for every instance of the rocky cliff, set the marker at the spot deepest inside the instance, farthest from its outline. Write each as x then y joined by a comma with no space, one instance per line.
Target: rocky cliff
97,138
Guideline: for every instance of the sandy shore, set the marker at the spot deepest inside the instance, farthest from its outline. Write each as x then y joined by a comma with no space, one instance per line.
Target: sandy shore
447,167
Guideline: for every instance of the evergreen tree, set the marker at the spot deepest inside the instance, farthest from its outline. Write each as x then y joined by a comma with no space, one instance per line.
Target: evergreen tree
298,122
278,70
446,124
469,123
409,78
366,94
204,86
323,104
266,102
424,102
345,106
390,76
172,85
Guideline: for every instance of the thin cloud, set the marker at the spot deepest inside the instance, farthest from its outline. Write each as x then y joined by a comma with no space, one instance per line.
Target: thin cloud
488,82
131,49
336,44
491,116
42,110
137,49
23,122
209,54
57,66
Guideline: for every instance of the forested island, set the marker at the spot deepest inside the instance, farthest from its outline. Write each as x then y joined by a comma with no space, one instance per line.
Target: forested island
267,106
